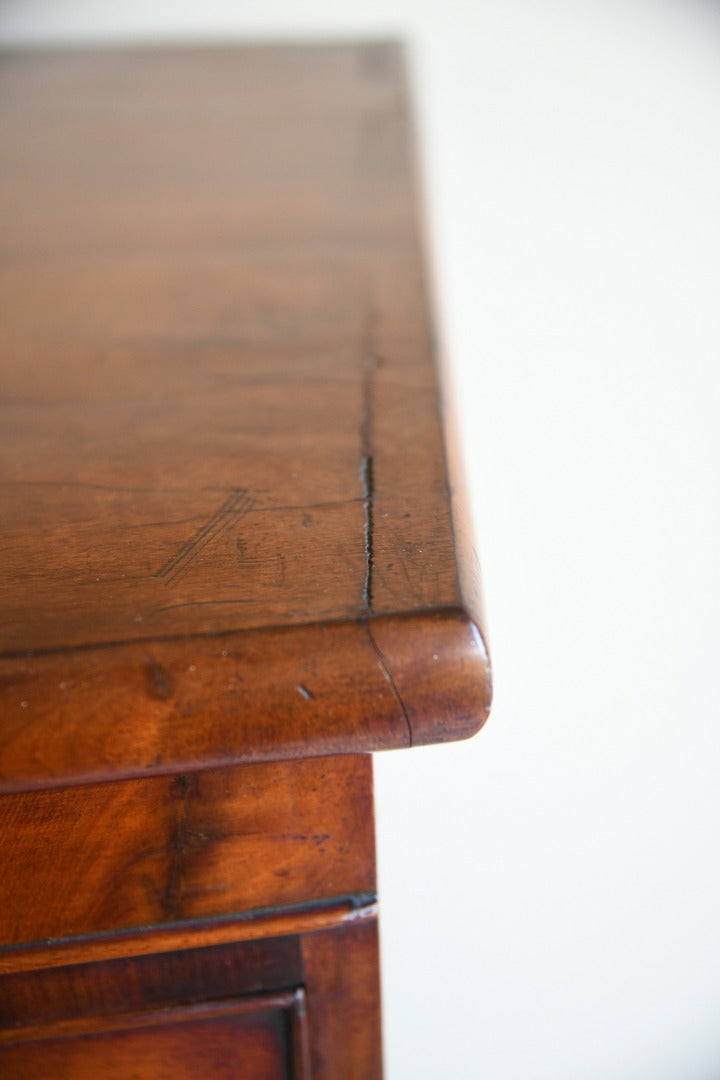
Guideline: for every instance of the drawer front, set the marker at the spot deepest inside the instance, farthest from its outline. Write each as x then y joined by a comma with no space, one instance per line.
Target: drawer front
301,1005
250,1039
162,850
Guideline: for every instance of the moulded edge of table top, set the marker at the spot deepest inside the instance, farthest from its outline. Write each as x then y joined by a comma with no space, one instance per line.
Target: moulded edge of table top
401,664
175,705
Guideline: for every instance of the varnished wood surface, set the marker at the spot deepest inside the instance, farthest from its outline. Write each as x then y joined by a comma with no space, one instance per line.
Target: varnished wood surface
84,992
221,461
250,1038
117,856
312,995
177,937
344,1013
169,706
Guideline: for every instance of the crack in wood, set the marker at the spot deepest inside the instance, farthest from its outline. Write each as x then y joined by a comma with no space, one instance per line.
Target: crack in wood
367,461
387,674
366,479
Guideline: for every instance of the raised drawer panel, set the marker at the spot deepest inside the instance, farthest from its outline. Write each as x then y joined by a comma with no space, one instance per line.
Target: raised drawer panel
305,1004
249,1039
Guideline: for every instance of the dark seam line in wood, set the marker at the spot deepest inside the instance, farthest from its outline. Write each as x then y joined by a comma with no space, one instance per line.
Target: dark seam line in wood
121,1022
366,474
388,676
367,459
355,901
299,624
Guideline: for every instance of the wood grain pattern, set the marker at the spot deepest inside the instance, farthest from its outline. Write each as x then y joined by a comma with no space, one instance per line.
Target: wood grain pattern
175,705
196,375
317,990
80,861
178,937
250,1038
227,553
341,973
221,452
87,993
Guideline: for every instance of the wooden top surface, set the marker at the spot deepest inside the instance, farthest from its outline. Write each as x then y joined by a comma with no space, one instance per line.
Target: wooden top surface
218,416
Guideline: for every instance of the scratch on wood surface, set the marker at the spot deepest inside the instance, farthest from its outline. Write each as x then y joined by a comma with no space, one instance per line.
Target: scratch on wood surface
387,674
232,510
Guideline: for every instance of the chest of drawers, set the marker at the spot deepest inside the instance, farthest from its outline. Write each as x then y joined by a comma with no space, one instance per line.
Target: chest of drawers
232,562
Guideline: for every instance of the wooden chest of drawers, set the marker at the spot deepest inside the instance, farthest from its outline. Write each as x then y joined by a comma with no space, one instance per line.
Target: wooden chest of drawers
229,569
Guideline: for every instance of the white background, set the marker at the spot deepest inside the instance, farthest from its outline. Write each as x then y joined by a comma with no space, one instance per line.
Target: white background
551,890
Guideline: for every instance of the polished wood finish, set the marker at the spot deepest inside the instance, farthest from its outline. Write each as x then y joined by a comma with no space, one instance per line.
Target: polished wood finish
344,1022
171,706
88,991
255,879
226,237
254,925
192,847
222,452
233,560
248,1038
165,1010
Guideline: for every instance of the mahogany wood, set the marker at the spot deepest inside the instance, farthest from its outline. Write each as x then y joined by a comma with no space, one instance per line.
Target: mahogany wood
221,465
179,705
182,1012
198,855
247,926
80,993
230,549
344,1002
250,1038
87,860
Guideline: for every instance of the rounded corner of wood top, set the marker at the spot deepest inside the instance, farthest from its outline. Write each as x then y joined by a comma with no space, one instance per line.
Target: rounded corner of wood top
440,667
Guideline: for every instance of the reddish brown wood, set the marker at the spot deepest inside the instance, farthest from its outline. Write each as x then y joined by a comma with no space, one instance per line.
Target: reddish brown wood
176,705
80,861
227,552
250,1038
147,1011
253,926
220,422
341,973
91,991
